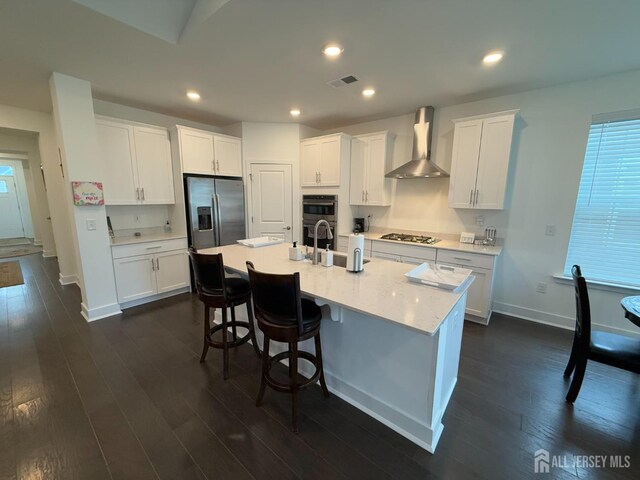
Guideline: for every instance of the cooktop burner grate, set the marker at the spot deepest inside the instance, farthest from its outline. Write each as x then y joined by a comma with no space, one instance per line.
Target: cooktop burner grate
402,237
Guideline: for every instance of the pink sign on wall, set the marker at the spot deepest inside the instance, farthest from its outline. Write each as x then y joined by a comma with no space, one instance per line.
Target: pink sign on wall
87,193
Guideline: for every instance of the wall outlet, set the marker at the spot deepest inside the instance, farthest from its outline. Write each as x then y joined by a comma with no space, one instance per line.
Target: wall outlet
541,287
480,220
550,230
91,224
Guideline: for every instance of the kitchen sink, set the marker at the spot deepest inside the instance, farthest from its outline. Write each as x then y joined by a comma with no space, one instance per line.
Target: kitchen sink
341,260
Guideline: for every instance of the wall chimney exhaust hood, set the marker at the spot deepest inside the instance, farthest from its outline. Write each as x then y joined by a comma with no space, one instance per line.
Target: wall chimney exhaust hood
421,165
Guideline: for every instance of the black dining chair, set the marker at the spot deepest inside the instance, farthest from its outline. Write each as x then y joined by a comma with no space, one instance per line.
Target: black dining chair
284,316
609,348
216,290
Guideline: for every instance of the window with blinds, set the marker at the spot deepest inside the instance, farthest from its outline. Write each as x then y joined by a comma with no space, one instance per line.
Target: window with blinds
605,237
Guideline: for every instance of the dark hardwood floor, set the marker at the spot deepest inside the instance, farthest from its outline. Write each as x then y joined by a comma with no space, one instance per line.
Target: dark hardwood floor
126,397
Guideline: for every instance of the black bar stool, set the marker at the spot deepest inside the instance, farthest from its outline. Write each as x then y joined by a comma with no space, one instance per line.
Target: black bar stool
284,316
217,291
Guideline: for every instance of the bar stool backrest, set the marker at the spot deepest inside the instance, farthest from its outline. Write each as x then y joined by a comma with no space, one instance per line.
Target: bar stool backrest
276,295
208,271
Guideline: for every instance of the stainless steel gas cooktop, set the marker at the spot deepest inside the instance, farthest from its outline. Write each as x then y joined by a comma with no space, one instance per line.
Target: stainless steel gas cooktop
401,237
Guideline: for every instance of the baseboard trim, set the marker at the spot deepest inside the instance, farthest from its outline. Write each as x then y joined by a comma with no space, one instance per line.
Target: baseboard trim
49,253
37,243
153,298
91,315
68,279
553,319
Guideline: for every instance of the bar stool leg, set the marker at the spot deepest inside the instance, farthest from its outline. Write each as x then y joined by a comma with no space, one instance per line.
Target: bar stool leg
265,369
207,332
233,324
225,347
293,363
323,383
252,329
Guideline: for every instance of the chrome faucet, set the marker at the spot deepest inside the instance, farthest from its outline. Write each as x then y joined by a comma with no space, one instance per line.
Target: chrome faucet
315,238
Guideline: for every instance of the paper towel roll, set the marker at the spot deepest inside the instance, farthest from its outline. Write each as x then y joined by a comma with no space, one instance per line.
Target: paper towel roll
355,253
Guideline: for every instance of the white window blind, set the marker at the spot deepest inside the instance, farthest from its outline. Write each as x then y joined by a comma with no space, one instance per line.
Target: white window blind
605,237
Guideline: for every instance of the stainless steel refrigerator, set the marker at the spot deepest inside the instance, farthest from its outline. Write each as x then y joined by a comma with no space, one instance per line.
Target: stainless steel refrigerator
215,211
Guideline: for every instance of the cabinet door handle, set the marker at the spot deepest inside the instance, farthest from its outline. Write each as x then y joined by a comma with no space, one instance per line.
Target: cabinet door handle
476,200
142,193
366,197
153,265
152,248
319,177
213,165
363,195
463,259
471,197
137,194
218,166
157,264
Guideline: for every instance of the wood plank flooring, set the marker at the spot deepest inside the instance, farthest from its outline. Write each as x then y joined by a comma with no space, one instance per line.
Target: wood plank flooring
126,397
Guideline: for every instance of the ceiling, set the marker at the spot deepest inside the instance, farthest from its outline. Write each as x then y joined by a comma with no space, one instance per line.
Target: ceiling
253,60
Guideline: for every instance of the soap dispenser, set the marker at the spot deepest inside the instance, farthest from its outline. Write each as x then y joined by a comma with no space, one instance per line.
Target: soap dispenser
295,253
327,257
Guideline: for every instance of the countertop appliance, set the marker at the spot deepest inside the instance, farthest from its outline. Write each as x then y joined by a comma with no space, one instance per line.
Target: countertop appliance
402,237
319,207
358,224
420,164
215,210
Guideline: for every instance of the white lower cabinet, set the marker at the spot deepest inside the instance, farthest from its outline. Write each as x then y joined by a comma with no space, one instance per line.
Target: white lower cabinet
135,277
148,269
479,297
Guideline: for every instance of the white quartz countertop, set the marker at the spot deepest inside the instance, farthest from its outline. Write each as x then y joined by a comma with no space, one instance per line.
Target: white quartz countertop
443,244
146,237
381,290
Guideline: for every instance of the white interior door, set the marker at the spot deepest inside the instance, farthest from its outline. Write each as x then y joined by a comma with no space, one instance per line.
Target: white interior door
271,201
10,220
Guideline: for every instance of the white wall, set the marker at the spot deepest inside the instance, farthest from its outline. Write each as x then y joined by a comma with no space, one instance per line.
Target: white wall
125,112
273,143
547,157
76,133
57,187
27,144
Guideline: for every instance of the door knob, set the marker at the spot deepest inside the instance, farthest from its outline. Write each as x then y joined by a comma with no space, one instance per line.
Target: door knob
286,228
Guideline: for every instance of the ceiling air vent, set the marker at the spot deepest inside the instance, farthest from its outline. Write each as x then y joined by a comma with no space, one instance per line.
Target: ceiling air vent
341,82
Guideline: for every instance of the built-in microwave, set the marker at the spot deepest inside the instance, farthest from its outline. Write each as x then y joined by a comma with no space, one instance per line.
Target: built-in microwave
319,207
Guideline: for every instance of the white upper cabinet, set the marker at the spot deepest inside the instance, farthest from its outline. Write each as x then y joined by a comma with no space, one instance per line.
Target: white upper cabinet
321,158
153,159
227,155
207,153
137,163
480,161
370,161
119,176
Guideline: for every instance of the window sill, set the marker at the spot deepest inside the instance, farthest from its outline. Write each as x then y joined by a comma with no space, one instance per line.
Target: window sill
599,285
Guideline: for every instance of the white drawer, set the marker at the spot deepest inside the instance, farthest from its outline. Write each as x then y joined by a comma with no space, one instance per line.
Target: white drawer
466,259
145,248
423,253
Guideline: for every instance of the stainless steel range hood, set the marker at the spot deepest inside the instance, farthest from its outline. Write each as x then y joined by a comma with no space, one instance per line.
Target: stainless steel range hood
420,166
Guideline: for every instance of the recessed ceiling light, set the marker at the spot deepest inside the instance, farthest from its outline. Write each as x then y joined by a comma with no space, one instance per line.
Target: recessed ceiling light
295,112
332,50
368,92
492,58
193,95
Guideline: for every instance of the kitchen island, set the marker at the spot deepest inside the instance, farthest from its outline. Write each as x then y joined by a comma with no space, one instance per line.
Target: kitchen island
390,347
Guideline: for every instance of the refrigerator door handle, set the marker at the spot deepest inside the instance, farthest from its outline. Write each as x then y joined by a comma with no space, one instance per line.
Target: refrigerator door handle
216,218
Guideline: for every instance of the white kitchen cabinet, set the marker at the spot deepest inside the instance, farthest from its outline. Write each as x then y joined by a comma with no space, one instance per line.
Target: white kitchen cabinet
370,161
480,161
321,159
208,153
403,253
342,245
137,163
479,298
135,277
148,269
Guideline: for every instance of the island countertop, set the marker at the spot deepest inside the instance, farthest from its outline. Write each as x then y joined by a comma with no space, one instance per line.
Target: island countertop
381,290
